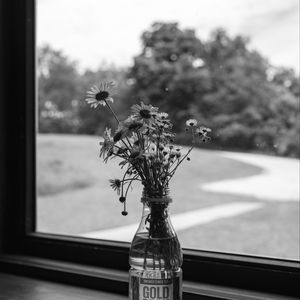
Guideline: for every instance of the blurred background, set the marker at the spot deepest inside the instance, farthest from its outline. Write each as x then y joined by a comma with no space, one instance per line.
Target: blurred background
233,65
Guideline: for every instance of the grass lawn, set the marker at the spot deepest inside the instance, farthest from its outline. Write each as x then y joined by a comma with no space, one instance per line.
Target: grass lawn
74,197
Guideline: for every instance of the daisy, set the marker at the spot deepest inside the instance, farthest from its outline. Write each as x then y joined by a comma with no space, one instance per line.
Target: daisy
191,123
144,112
152,148
162,115
99,95
165,151
203,131
115,185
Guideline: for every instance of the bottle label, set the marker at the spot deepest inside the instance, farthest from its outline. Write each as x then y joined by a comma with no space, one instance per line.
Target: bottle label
155,289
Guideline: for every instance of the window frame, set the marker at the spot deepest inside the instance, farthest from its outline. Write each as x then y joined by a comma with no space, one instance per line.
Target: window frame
18,197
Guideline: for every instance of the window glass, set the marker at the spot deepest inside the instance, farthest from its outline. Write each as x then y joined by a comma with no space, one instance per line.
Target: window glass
232,65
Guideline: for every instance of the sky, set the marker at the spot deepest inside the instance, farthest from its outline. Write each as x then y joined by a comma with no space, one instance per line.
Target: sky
94,32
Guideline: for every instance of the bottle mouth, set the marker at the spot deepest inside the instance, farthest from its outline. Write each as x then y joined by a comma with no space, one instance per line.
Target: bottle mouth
165,199
156,195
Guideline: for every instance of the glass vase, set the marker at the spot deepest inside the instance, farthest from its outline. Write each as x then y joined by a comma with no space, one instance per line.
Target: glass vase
155,254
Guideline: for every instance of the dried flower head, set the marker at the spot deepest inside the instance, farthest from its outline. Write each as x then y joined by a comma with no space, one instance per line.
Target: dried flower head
116,185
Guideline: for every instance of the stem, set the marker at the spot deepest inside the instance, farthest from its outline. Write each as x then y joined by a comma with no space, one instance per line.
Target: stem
110,109
129,148
173,171
134,178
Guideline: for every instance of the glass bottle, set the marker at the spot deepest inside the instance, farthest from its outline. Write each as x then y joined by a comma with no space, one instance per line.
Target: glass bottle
155,254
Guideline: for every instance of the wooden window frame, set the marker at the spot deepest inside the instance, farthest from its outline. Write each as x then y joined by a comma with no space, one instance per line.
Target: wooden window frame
91,263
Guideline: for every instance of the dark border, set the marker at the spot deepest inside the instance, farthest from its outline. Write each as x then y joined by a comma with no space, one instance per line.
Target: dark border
17,201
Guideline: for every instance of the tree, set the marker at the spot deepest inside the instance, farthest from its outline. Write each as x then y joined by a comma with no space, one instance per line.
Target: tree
220,82
164,72
62,89
58,91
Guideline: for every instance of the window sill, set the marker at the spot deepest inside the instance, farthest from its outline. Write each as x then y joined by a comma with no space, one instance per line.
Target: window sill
112,281
24,288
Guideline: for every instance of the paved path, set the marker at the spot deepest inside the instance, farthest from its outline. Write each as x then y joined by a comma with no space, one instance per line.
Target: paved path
278,182
180,221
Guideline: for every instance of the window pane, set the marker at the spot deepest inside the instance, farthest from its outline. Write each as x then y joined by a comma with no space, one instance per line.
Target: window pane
232,65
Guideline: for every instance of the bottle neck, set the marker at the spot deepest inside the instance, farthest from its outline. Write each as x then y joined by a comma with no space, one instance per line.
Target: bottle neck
155,220
156,196
155,210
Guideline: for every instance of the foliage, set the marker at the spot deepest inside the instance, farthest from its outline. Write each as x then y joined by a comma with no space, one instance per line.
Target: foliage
60,93
222,83
58,90
251,105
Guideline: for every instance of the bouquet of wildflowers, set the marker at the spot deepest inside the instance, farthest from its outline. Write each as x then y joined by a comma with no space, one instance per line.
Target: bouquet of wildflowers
144,142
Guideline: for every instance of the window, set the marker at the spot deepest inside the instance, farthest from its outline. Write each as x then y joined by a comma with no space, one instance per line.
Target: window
52,254
237,202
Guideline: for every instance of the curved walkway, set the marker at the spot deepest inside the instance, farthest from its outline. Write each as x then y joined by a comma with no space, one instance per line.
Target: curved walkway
180,221
278,182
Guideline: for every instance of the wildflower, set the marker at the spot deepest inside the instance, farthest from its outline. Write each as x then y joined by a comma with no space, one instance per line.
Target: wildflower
99,94
165,162
168,136
172,154
203,130
108,142
161,146
191,123
152,148
165,125
163,121
132,124
203,133
145,143
115,185
178,153
162,115
144,112
165,151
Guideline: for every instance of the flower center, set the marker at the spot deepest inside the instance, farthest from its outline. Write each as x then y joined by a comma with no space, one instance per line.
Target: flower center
145,113
102,95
